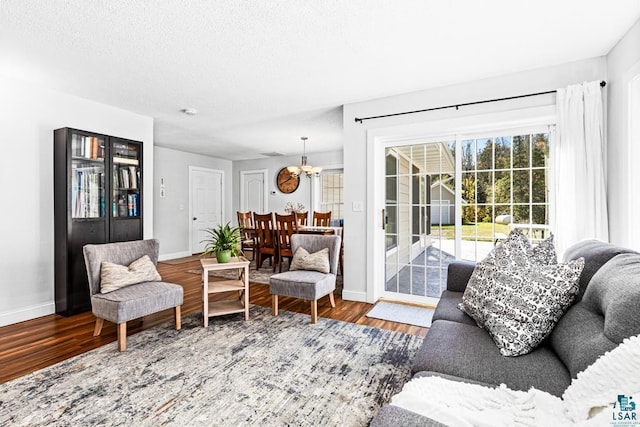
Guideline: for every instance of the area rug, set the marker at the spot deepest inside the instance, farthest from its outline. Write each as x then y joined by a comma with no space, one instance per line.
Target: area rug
402,313
256,276
266,371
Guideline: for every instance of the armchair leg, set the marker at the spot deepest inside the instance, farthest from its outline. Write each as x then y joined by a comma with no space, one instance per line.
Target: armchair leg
314,311
332,300
98,327
274,304
122,336
178,317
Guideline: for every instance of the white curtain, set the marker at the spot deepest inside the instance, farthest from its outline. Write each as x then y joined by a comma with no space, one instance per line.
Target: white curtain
578,167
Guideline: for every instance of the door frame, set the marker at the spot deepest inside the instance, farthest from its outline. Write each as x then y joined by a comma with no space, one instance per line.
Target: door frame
223,218
265,188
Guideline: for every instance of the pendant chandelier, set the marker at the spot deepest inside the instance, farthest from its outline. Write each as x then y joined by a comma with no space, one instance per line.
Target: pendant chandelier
308,170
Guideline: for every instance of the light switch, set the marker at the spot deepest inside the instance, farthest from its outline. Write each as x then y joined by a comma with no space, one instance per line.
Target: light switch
356,206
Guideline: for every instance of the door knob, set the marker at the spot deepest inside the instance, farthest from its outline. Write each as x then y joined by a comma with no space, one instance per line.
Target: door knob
194,218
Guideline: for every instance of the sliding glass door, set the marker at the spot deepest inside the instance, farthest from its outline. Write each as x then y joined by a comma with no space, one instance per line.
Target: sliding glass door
437,210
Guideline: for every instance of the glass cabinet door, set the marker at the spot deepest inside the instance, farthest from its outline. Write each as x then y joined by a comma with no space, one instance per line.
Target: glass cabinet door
88,198
125,202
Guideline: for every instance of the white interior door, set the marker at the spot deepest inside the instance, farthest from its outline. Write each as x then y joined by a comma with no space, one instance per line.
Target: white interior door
206,203
253,191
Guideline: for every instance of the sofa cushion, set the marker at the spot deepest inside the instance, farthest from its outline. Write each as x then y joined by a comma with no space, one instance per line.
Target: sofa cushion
595,254
447,309
458,274
136,301
393,416
608,313
309,285
467,351
451,378
614,292
524,304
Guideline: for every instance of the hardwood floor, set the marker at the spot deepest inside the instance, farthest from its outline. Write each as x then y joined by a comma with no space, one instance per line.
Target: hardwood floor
34,344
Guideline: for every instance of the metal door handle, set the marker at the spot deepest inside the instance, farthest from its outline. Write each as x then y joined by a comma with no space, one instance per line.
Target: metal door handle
194,218
384,220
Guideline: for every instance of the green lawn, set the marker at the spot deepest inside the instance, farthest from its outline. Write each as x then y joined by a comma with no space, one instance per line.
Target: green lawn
483,230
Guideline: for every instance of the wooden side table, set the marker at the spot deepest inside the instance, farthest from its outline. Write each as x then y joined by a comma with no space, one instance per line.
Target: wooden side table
241,284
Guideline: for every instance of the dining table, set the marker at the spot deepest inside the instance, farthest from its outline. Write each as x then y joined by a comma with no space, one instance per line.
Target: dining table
325,231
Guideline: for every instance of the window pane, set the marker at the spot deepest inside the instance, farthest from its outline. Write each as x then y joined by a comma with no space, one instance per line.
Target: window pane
484,186
392,192
469,214
503,152
468,155
539,185
521,214
502,187
391,163
540,150
521,151
468,187
484,149
521,186
540,214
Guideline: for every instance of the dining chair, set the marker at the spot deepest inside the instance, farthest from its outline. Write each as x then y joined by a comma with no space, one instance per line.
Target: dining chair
285,227
321,219
265,234
247,232
302,218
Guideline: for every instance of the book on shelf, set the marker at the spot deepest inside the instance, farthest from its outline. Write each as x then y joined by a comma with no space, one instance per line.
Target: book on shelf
136,209
87,147
125,161
133,177
87,193
124,178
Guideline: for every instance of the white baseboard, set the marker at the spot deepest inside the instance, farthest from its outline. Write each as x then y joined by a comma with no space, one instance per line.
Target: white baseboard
354,296
164,257
26,313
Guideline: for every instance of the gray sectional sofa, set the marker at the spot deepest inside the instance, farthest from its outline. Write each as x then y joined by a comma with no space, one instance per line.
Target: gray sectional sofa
606,311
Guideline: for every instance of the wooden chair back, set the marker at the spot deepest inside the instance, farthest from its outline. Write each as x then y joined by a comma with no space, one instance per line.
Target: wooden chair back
301,218
264,230
245,221
321,219
286,226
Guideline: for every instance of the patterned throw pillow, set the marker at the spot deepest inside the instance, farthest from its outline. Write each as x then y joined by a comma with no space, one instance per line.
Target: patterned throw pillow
317,261
514,252
115,276
524,304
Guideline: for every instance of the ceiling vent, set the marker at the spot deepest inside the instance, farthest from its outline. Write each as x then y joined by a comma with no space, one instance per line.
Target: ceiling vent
272,154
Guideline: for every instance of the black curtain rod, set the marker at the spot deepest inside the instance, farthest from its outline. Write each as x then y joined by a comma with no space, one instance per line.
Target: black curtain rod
456,106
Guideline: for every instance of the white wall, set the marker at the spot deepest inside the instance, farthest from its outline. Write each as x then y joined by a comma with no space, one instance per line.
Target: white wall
28,116
171,216
277,201
623,63
360,263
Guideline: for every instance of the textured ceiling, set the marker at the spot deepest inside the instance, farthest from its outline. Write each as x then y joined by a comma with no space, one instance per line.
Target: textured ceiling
263,73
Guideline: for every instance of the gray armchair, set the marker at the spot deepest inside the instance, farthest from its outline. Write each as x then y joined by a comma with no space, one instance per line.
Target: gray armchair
308,285
133,301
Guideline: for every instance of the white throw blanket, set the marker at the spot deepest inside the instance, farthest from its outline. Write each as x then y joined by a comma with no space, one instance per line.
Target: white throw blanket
588,401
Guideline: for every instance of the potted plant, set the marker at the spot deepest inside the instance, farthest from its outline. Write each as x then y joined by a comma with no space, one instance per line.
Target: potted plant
224,241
